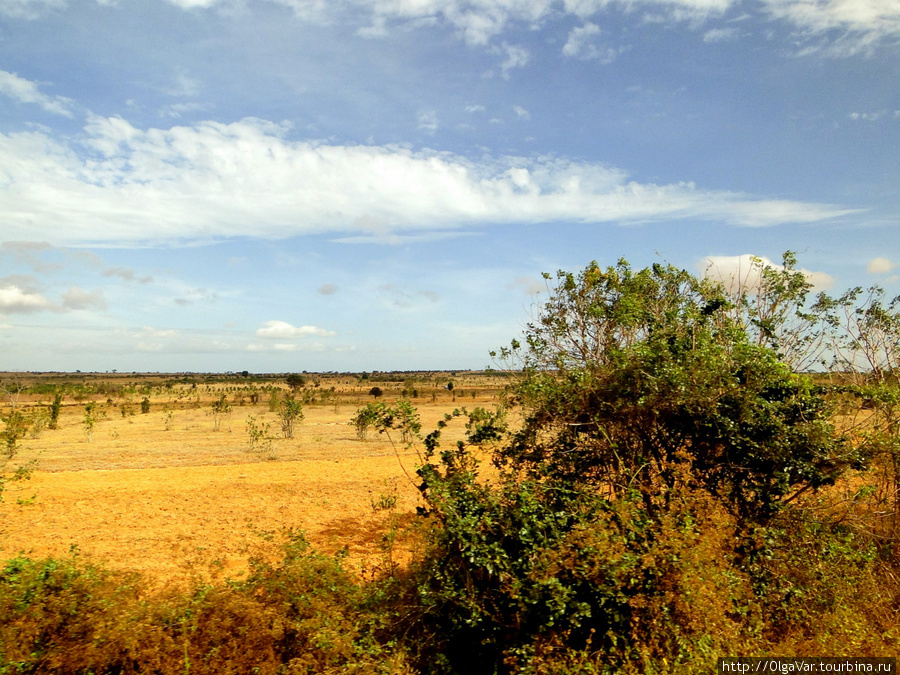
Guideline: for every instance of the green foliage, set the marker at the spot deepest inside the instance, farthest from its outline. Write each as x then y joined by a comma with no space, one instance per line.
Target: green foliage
290,412
771,305
401,416
54,410
220,408
258,433
654,507
524,566
16,425
89,421
303,615
145,405
274,400
629,376
295,381
366,418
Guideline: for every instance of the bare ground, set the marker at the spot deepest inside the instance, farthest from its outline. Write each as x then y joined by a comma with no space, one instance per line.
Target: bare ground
190,500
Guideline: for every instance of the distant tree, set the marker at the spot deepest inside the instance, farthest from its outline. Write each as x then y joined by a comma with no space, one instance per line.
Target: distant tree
375,392
295,381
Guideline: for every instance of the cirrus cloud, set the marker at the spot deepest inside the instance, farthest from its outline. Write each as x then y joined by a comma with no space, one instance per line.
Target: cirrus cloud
26,91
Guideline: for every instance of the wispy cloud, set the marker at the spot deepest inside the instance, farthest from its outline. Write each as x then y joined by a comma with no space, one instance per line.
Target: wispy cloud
841,27
516,57
521,113
844,28
214,180
872,116
126,274
77,299
427,121
29,9
582,44
719,35
26,91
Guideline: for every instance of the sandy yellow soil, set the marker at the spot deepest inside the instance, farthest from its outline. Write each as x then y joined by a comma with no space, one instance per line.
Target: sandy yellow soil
171,503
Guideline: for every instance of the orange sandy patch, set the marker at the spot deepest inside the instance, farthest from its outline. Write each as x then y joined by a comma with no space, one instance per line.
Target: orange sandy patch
170,503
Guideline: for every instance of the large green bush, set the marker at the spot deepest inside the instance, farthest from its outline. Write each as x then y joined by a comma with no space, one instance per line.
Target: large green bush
630,376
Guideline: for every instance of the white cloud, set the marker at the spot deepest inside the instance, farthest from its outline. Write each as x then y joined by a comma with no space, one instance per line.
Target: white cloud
150,332
516,57
521,112
184,86
328,289
213,180
29,9
176,110
479,21
15,300
719,35
581,42
860,24
868,117
529,285
428,121
76,298
25,91
126,274
879,266
281,330
744,272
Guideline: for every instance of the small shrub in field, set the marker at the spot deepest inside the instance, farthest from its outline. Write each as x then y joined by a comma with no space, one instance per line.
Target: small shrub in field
290,412
54,411
89,421
16,426
220,408
274,400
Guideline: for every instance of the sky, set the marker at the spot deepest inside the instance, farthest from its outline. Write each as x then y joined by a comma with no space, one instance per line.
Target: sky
349,185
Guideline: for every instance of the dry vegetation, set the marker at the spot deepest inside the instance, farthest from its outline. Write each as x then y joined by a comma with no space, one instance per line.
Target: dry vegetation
164,494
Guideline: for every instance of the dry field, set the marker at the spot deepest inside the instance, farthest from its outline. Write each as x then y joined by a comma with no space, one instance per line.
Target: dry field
165,494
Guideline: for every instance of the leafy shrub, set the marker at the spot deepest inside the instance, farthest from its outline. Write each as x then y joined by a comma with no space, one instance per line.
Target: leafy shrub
630,377
304,615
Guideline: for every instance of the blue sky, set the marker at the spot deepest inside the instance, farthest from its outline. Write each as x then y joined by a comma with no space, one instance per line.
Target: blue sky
286,185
